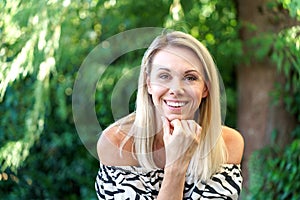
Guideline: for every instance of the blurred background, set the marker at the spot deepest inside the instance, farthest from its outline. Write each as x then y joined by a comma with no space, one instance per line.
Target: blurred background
256,46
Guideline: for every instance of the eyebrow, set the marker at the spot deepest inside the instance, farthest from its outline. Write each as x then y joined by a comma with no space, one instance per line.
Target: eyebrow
186,72
192,70
165,69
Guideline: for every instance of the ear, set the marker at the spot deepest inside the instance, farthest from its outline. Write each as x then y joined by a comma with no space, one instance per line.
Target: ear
205,91
148,84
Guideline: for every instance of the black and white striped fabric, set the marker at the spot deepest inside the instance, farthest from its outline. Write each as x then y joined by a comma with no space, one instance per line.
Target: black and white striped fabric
129,182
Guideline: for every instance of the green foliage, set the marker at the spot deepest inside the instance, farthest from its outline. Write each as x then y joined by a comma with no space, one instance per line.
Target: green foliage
293,6
43,44
286,51
32,55
41,48
283,49
274,173
105,88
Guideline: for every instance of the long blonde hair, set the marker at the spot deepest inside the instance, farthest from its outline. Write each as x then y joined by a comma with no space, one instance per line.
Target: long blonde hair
211,151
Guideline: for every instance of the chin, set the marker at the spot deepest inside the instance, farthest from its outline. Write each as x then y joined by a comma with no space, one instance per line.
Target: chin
179,117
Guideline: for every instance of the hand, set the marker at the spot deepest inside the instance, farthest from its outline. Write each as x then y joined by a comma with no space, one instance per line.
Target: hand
181,138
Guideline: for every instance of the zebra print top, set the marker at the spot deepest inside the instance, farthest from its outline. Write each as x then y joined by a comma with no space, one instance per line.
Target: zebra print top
129,182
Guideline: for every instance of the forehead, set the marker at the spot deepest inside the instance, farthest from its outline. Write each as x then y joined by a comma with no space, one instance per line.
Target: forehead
177,57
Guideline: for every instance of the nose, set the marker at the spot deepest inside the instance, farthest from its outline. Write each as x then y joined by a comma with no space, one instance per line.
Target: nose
176,87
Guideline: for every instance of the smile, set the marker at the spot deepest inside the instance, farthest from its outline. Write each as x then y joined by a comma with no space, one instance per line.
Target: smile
175,104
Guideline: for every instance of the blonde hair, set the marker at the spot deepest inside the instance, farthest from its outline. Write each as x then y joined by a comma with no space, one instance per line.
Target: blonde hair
211,151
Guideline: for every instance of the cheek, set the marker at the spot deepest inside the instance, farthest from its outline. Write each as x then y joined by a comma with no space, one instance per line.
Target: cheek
197,96
157,92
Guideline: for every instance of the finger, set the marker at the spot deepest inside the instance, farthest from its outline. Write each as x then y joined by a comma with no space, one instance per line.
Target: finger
193,129
192,125
176,123
186,127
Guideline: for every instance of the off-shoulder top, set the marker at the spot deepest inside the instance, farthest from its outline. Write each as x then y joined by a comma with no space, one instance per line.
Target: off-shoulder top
130,182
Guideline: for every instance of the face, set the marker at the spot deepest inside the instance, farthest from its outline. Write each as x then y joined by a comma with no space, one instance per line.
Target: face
176,83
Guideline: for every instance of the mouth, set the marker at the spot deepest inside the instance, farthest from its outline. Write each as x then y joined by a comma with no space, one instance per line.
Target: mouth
175,104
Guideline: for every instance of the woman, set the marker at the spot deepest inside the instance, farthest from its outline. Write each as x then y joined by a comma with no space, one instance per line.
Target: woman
173,146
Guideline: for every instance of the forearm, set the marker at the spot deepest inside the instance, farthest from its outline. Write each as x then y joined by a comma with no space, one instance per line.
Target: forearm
180,145
172,185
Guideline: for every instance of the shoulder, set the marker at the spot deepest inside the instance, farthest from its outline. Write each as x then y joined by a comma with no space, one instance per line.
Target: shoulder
109,148
234,142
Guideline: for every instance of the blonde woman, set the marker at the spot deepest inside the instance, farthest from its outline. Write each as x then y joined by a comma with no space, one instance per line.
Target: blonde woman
173,146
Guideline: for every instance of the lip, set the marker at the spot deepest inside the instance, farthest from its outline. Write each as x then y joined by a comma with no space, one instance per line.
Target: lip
175,104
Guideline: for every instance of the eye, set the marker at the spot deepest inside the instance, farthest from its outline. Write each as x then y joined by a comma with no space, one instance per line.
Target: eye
190,78
164,76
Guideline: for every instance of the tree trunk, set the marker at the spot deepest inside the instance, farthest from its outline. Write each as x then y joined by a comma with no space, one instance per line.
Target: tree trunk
258,118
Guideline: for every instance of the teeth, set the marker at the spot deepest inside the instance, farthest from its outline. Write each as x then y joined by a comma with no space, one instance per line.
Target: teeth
175,104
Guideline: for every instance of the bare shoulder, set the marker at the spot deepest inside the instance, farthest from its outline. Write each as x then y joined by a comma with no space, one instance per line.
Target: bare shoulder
109,151
234,142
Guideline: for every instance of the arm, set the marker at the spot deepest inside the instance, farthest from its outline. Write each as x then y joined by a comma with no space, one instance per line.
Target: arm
186,135
234,143
172,185
108,149
180,146
230,174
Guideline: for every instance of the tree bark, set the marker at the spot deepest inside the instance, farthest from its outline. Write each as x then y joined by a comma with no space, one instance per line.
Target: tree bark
258,118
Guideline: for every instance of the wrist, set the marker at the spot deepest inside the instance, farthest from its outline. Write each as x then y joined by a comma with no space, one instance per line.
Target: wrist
175,170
